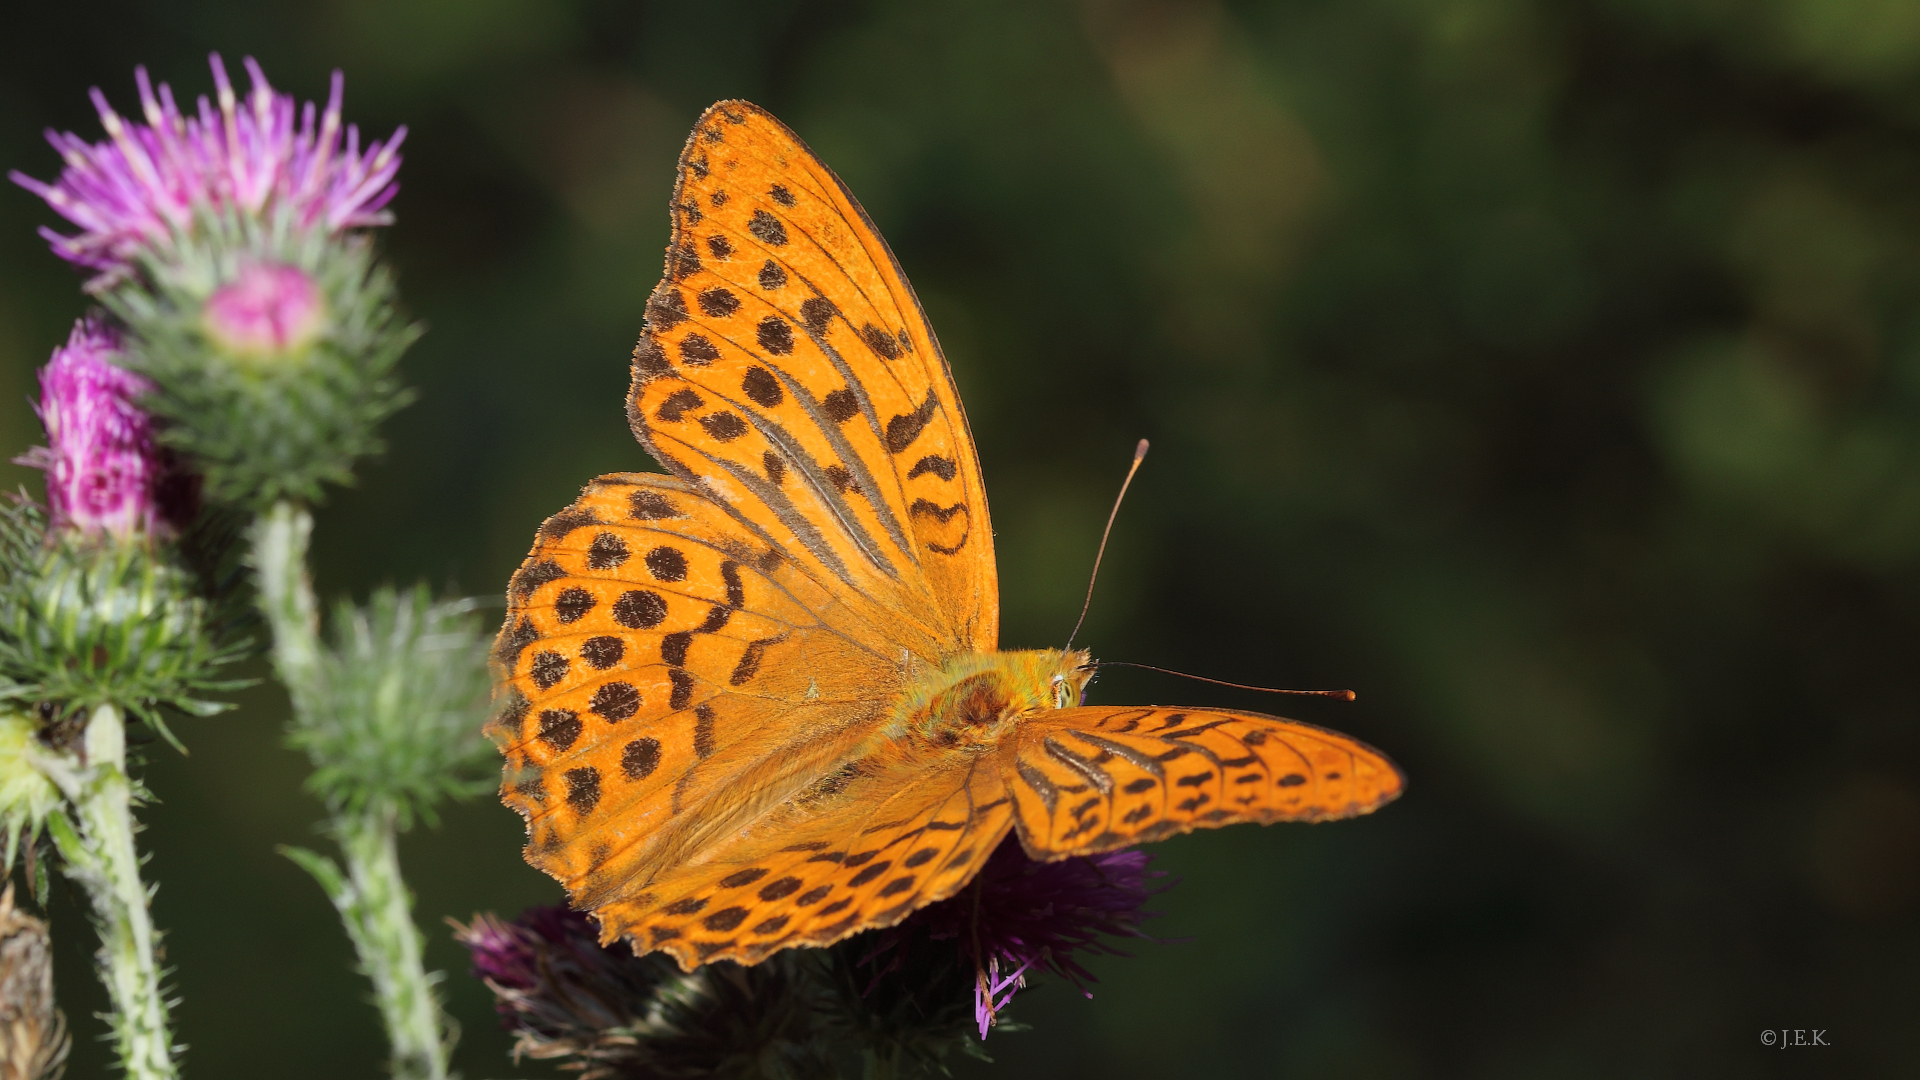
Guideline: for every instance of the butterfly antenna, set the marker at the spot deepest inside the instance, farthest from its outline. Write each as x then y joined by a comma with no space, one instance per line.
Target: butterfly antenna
1139,455
1343,695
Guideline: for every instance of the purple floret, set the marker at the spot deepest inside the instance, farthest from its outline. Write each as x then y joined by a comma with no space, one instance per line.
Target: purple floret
133,192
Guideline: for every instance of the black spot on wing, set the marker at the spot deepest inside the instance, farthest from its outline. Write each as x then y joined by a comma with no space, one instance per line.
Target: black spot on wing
607,552
682,262
767,229
602,652
723,426
775,335
673,649
639,609
730,574
902,430
648,361
615,701
513,642
772,276
695,349
666,308
559,525
528,579
880,341
817,312
583,788
640,758
666,564
760,385
717,302
548,668
675,408
932,463
559,728
652,506
840,406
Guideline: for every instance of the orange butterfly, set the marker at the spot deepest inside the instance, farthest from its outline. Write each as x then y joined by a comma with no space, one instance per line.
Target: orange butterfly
760,703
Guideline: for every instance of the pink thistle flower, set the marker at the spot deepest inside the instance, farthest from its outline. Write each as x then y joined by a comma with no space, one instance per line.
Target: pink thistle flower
105,472
133,192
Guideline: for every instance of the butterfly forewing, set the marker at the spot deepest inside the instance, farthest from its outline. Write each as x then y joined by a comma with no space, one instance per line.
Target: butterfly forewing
787,363
1093,779
653,654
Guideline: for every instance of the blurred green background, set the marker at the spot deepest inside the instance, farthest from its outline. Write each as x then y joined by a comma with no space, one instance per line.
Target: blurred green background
1547,372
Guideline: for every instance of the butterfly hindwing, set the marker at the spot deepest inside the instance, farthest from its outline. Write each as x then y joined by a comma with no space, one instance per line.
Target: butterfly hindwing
787,363
1096,778
859,849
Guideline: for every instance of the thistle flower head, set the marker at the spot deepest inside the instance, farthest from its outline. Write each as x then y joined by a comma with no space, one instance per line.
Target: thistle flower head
105,471
1020,917
551,979
145,183
614,1014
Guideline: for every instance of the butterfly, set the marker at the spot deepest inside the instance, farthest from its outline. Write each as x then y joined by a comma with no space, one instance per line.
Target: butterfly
758,702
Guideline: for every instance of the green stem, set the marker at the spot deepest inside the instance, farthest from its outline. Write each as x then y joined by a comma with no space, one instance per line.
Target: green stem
371,896
375,906
100,855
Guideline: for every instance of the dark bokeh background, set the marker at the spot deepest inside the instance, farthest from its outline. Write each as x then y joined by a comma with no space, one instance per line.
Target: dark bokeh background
1548,373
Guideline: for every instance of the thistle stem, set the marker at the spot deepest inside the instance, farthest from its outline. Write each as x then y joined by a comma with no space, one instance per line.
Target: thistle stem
370,895
98,852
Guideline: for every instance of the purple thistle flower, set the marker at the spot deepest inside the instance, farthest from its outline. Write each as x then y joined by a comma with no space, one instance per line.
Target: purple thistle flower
134,191
105,472
1019,916
552,981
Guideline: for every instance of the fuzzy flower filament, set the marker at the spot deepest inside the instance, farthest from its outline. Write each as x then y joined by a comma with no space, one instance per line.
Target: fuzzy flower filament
1019,917
142,187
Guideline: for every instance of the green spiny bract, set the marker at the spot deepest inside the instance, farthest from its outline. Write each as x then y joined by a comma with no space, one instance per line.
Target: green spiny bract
395,717
89,620
265,424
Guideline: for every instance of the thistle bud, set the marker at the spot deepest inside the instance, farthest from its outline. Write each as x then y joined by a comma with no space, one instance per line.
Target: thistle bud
232,242
105,471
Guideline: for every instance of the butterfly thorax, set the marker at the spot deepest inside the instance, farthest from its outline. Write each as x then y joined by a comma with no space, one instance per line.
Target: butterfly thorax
975,699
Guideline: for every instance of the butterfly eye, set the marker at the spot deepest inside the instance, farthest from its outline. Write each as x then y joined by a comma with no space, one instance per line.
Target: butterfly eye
1062,693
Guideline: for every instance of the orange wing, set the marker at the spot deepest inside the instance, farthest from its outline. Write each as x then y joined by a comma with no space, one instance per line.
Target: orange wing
787,368
860,848
667,678
1096,778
